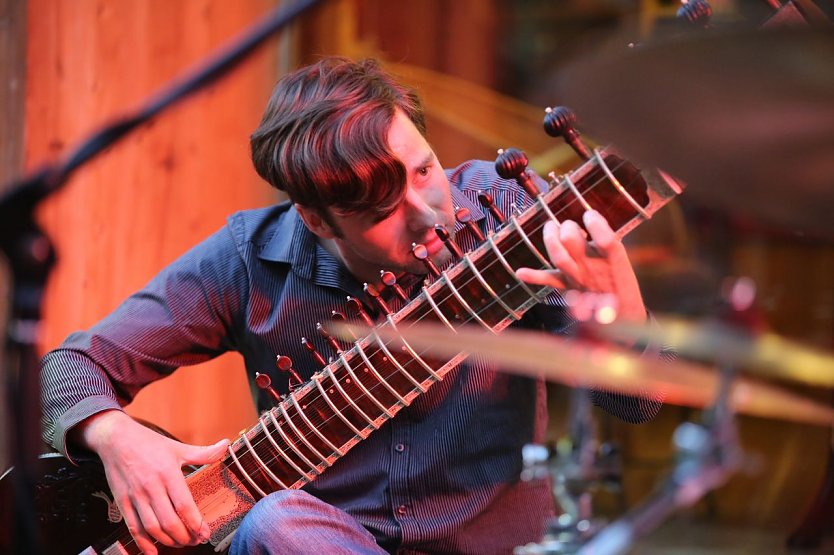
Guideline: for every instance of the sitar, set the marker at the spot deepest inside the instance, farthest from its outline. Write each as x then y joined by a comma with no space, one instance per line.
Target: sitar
366,385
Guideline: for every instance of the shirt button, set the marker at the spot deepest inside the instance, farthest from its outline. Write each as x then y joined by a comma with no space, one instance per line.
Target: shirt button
401,510
399,448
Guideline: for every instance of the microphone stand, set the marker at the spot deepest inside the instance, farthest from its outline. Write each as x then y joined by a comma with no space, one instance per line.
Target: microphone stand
31,256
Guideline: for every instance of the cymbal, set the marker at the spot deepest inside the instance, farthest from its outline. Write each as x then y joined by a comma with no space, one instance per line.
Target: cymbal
745,118
765,353
578,363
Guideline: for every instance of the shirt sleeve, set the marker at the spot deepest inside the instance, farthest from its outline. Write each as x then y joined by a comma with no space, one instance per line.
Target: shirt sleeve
186,315
553,316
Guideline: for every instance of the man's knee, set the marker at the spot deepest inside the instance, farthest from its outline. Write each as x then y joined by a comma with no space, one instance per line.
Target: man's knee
293,521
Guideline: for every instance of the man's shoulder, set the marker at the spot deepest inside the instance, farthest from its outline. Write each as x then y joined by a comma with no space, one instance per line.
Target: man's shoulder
258,225
473,175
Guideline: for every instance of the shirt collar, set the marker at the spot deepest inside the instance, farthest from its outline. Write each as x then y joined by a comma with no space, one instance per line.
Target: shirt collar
294,244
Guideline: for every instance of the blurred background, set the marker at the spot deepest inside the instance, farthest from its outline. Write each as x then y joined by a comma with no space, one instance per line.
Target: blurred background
486,70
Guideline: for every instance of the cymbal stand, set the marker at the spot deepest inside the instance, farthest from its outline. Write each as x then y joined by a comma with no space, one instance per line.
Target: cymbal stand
577,464
707,455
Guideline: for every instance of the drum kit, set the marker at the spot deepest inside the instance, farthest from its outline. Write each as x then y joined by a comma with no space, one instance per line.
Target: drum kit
752,116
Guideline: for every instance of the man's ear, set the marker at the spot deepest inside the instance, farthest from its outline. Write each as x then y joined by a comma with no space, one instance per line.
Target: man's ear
314,222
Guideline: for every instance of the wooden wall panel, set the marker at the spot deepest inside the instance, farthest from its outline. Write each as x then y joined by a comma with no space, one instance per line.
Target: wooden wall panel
148,199
12,82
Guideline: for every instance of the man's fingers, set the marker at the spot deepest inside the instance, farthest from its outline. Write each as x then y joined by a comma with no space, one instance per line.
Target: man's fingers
550,278
163,522
574,239
183,503
199,455
600,231
134,526
556,251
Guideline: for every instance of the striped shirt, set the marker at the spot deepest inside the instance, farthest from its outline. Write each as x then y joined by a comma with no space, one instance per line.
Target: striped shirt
443,475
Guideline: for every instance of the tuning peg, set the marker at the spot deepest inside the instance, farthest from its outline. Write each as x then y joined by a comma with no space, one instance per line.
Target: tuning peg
421,253
561,122
444,236
340,317
390,280
464,216
329,338
356,307
264,382
485,199
284,364
373,293
512,164
312,350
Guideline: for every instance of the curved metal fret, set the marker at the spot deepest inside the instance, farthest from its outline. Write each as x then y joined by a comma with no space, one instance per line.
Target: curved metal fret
617,185
566,178
546,208
530,244
245,474
445,277
512,313
313,427
396,363
509,268
281,451
437,310
301,436
338,413
350,400
291,444
379,377
416,357
368,362
364,389
260,461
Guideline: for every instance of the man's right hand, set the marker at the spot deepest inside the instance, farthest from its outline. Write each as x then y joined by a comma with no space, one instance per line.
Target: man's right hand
144,471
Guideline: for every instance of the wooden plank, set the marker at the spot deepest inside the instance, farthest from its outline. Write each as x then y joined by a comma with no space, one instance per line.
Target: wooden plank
12,82
158,192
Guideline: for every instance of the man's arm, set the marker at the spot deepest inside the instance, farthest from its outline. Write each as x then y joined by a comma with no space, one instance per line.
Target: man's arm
185,315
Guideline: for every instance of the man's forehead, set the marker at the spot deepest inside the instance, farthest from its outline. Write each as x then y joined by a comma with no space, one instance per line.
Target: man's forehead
404,137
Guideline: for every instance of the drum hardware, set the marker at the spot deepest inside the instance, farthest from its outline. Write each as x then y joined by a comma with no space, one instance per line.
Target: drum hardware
576,465
707,455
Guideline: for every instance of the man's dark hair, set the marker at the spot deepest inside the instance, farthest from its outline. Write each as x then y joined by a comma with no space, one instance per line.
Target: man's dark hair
323,137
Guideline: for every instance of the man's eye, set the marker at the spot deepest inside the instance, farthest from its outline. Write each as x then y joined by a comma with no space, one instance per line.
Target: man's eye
424,171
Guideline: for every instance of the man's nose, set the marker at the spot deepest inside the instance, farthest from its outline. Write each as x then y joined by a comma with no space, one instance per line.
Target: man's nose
419,213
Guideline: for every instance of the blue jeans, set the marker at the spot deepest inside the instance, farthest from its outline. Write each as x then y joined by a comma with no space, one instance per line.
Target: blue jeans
295,522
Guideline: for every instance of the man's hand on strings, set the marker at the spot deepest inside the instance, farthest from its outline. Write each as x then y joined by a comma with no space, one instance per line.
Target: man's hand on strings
144,471
592,270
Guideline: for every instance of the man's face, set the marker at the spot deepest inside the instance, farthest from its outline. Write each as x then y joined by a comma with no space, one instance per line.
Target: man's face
366,247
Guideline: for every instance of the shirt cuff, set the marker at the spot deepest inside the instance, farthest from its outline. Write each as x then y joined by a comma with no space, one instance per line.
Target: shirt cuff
81,411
